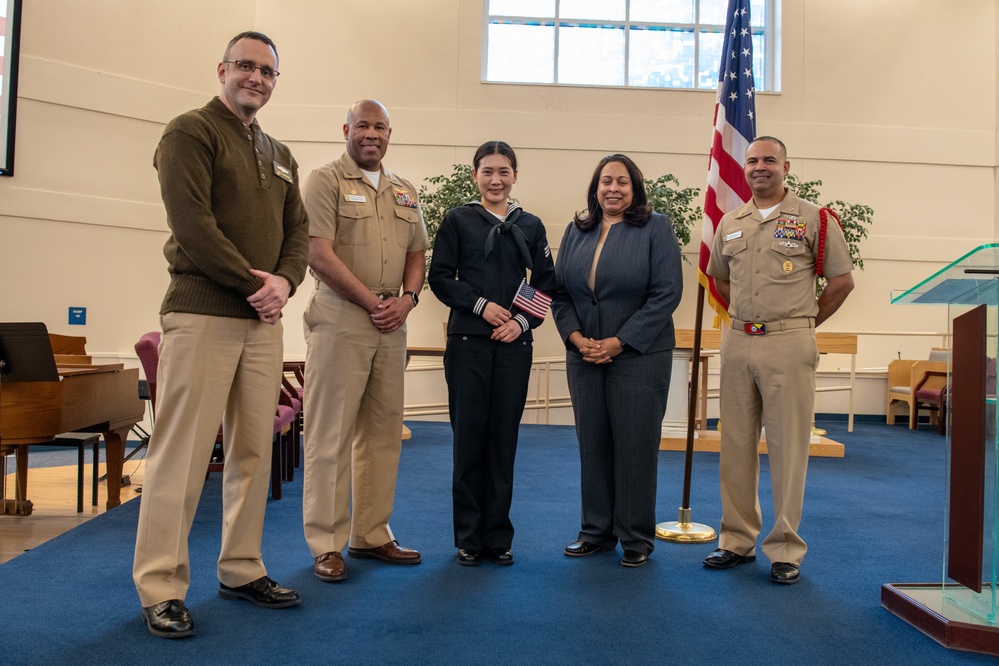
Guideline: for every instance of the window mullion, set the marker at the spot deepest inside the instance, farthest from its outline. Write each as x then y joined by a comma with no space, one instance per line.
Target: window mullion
627,42
697,45
558,29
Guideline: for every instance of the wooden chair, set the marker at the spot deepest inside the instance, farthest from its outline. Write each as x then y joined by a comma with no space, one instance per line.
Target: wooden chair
905,375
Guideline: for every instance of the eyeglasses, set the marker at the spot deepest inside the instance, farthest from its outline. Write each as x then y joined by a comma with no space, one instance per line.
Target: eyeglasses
247,67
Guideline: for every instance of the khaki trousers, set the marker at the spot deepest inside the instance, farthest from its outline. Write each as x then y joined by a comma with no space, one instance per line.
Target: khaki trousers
353,425
768,378
211,370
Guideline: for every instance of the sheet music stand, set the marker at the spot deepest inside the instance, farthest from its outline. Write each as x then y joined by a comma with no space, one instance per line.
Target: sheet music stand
960,611
26,353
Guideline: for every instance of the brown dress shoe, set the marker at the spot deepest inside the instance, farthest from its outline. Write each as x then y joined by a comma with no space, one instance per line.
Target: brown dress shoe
330,567
391,553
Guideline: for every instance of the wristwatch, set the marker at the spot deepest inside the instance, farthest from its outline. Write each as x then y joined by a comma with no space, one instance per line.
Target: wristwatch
414,296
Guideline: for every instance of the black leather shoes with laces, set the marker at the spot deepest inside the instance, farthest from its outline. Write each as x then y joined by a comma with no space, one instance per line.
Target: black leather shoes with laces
169,619
262,592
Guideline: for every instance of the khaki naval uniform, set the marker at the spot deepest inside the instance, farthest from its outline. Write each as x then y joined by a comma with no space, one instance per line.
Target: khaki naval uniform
770,378
353,372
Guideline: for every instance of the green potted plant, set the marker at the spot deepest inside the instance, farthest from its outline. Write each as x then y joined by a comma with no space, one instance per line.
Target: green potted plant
854,218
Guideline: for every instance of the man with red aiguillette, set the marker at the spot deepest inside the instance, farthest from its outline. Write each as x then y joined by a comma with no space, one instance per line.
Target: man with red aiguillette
764,260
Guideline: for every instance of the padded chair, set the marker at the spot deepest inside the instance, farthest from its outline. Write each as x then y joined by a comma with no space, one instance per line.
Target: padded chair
147,349
300,377
282,457
289,398
932,394
905,375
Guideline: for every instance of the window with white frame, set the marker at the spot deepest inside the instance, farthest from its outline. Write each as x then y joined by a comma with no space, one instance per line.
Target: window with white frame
628,43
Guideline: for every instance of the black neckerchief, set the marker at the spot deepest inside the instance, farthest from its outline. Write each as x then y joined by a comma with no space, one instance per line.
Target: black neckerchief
507,226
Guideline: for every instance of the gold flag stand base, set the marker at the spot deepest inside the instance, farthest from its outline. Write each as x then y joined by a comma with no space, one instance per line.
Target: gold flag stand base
684,531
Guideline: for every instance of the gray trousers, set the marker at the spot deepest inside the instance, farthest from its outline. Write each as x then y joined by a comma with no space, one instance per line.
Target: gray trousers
619,408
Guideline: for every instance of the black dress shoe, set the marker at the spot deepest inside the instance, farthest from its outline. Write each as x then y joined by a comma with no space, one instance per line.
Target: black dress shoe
582,549
262,592
469,557
169,619
501,556
390,553
784,573
633,558
726,559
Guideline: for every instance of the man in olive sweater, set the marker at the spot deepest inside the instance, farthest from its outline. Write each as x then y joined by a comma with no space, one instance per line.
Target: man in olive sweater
238,247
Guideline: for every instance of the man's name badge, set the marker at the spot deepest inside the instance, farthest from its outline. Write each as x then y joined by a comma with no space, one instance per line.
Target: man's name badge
283,172
788,266
354,198
733,235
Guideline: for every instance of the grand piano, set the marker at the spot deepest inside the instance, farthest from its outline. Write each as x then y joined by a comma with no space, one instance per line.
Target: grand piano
40,400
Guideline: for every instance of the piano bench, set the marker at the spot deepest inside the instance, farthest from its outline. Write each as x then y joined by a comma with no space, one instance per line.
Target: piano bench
81,440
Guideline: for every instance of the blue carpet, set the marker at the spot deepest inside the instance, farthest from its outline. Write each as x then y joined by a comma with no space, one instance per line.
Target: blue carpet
870,518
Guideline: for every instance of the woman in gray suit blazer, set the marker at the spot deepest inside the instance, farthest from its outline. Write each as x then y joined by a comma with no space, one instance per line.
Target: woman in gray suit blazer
619,280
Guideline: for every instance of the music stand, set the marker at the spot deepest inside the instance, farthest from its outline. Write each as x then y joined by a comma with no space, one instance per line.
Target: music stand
26,353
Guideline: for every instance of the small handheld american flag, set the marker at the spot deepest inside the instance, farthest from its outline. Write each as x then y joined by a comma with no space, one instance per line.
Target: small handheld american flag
531,300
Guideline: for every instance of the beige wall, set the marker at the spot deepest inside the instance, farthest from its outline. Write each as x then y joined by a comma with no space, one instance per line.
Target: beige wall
890,103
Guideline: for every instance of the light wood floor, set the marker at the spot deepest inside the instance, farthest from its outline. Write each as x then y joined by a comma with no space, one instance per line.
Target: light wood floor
52,491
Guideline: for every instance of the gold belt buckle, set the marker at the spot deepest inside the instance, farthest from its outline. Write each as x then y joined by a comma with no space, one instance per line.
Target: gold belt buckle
382,295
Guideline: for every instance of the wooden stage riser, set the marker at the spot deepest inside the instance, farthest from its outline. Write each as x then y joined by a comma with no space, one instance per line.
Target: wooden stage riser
709,441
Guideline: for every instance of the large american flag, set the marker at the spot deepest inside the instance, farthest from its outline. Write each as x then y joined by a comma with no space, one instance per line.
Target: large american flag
735,128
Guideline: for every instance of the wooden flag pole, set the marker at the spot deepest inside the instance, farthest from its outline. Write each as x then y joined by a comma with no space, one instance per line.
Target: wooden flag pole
682,530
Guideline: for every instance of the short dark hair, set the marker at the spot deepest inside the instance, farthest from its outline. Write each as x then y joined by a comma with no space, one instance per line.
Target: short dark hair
637,214
251,34
495,148
772,139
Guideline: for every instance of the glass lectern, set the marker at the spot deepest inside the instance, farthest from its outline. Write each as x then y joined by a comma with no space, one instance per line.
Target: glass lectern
960,611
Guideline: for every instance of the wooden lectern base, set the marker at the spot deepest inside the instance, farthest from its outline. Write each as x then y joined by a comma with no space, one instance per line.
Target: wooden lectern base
920,604
710,441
